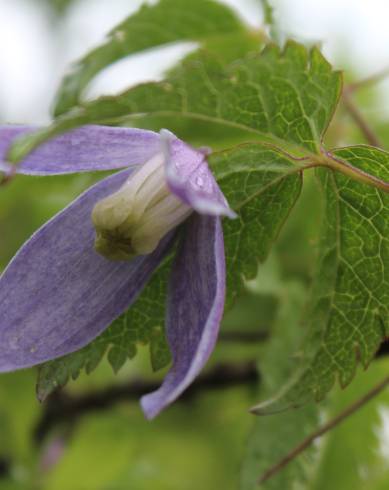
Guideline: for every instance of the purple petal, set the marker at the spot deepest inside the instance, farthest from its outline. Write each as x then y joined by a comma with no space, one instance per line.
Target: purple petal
190,179
58,294
195,308
83,149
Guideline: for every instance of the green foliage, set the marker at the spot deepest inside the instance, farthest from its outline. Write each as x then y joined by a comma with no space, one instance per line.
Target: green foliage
261,184
153,25
287,96
271,438
355,454
348,312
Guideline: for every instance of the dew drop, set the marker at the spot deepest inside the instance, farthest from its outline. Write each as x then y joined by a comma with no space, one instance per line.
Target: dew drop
200,181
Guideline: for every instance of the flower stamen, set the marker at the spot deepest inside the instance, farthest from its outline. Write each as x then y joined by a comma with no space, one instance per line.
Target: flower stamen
133,220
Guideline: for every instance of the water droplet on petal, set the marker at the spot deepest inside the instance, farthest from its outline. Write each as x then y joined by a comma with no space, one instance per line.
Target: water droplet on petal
200,181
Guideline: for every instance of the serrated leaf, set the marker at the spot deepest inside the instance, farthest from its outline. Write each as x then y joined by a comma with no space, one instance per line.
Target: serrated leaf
167,21
349,309
142,324
261,184
271,438
287,96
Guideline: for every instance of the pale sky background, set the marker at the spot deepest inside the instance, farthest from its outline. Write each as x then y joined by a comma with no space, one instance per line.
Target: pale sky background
35,50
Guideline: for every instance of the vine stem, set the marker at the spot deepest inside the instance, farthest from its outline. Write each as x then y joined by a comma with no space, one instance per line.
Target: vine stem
370,80
353,110
351,409
359,120
355,173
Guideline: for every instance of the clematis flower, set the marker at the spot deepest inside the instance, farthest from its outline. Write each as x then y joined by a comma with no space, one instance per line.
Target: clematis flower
89,263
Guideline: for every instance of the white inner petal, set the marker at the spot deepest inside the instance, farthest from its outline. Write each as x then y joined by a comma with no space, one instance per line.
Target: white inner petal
139,214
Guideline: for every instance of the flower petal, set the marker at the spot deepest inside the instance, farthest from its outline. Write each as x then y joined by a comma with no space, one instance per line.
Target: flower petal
190,179
195,308
58,294
84,149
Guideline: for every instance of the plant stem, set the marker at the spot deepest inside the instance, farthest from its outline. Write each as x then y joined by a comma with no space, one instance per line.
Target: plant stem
370,80
322,430
359,120
353,172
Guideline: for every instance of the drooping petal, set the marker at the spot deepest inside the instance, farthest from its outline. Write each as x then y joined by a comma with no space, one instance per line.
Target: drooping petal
58,294
190,179
84,149
195,308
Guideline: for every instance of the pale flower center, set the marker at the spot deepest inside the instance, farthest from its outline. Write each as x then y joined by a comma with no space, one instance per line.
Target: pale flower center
133,220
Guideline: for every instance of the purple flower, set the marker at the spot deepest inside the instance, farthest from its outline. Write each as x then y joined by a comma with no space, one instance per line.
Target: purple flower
73,277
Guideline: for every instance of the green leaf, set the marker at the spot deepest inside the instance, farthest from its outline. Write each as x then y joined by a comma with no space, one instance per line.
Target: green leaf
143,324
287,96
355,454
261,184
349,308
153,25
271,438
